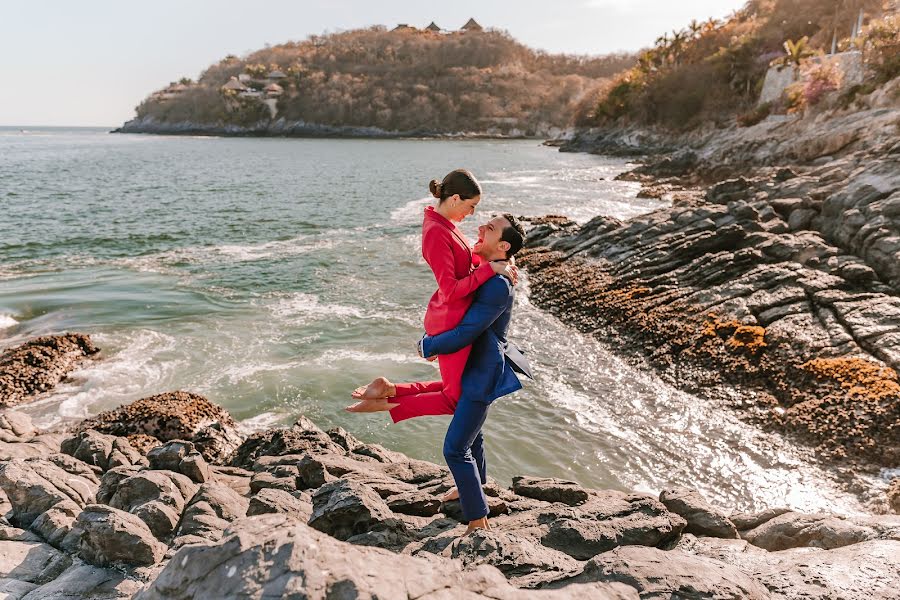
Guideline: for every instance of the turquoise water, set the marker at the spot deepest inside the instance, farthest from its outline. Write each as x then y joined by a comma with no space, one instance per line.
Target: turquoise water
275,275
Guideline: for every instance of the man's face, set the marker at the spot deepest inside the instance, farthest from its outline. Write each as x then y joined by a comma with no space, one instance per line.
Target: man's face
489,245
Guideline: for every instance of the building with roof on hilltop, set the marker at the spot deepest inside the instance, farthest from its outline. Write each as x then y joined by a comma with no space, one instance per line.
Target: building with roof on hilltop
276,74
404,27
472,26
433,27
234,85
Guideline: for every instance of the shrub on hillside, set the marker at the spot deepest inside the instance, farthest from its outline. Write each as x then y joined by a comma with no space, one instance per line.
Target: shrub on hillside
882,47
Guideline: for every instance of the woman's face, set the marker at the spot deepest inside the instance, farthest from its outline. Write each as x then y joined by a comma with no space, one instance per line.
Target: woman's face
460,209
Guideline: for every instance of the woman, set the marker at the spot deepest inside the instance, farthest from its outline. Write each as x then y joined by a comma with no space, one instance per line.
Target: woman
458,274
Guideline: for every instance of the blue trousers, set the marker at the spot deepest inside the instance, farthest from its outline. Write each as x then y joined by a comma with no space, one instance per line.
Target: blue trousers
464,453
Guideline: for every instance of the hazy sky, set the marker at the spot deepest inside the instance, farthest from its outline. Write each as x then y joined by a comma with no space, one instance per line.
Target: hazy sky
90,62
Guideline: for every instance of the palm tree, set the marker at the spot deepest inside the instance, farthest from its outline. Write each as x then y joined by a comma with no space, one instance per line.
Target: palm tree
695,28
710,24
796,52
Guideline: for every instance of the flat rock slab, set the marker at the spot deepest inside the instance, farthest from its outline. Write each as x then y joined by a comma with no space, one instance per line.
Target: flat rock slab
31,562
794,530
273,556
702,518
550,490
39,364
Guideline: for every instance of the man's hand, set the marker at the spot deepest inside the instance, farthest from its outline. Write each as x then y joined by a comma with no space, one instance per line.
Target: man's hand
419,348
507,269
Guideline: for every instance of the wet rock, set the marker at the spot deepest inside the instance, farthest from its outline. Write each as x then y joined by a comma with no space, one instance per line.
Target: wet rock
346,508
658,574
32,562
111,536
181,457
271,554
820,530
39,364
173,416
702,518
550,490
297,505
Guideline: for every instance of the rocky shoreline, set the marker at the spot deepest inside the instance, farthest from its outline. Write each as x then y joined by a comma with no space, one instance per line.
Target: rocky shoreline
165,498
299,129
772,283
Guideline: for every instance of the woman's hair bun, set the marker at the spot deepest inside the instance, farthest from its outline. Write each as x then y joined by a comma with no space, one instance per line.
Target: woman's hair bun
435,187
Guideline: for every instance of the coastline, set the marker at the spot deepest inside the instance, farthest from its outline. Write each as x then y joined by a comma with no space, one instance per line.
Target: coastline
301,129
166,498
770,285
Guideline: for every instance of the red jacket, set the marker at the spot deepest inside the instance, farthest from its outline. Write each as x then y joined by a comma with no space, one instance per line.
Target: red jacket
457,271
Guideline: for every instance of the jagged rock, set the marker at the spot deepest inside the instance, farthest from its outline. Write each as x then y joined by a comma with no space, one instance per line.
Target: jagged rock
173,416
9,533
104,451
272,555
514,555
344,439
110,481
33,486
39,364
496,507
266,480
304,436
32,562
85,582
56,525
702,518
658,574
179,456
316,470
414,503
210,511
156,497
550,490
111,536
271,500
346,508
611,519
820,530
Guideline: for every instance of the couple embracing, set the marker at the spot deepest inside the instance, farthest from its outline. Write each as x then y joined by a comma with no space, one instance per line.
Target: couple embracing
465,329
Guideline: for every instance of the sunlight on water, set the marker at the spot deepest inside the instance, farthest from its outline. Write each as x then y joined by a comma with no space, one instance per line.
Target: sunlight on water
274,276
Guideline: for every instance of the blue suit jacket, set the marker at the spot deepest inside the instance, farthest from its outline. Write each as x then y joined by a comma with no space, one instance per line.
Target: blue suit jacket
488,374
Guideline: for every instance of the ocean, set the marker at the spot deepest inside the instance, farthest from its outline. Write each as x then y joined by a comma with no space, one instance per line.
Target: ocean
274,276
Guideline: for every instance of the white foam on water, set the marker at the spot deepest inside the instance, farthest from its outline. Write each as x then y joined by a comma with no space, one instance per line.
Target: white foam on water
6,321
331,358
260,422
411,212
240,372
301,307
124,376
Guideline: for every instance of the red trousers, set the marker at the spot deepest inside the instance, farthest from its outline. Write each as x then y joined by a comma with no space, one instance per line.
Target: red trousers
432,397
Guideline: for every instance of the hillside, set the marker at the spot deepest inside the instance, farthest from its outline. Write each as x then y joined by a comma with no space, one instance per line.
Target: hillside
404,80
714,71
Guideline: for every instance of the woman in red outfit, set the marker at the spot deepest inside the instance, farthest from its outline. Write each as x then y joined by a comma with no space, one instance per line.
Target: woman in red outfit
458,274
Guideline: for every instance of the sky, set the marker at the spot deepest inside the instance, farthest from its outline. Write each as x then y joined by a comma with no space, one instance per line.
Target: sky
91,62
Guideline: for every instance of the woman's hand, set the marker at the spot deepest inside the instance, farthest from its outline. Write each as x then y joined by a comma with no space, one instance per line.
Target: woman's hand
506,269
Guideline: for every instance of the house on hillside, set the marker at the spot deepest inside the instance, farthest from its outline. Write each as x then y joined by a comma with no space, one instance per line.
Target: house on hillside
404,27
472,26
235,85
433,27
273,90
276,75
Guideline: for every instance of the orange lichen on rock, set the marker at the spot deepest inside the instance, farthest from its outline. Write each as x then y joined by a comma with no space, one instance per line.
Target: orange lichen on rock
738,337
857,376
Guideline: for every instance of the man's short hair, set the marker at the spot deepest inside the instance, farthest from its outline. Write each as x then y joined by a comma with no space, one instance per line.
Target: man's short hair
514,234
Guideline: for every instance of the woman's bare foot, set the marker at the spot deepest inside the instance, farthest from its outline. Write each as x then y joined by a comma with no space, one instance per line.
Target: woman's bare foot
373,405
481,523
380,387
452,494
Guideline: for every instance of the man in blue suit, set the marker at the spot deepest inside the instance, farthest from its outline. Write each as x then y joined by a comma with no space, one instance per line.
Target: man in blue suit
489,371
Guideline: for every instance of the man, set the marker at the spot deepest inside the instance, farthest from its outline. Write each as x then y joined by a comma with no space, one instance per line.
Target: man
489,371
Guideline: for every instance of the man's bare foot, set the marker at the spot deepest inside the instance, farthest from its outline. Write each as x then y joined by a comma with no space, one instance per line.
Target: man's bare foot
375,405
452,494
481,523
380,387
